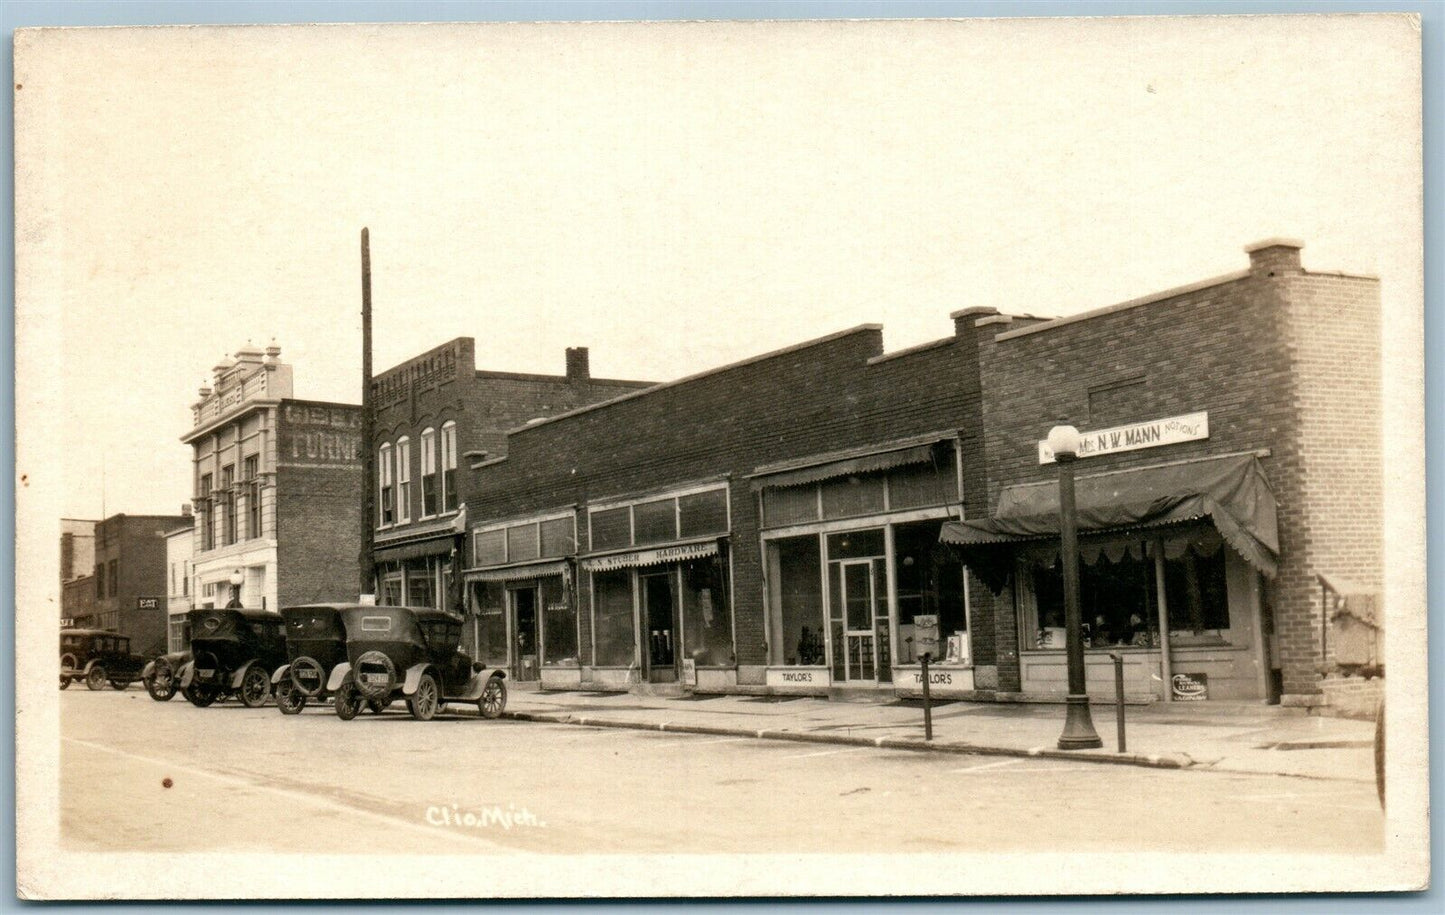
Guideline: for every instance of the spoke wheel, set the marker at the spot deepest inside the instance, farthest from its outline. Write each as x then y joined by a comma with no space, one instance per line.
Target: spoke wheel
424,701
95,680
493,699
199,696
289,699
348,701
255,687
162,682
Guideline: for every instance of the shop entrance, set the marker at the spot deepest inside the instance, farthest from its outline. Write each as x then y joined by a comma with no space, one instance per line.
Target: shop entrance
855,615
659,623
525,655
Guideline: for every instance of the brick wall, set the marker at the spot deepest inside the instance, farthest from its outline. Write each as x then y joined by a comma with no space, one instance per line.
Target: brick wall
318,524
138,545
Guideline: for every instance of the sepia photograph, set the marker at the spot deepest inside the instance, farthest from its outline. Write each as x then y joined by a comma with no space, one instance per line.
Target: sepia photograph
540,460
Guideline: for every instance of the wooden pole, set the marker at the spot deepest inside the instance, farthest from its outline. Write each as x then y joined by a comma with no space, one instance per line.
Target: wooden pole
1166,664
368,453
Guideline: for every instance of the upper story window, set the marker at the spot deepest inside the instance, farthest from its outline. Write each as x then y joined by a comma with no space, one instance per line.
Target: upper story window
250,472
897,489
228,508
544,538
403,479
385,492
112,574
428,473
693,514
208,530
449,467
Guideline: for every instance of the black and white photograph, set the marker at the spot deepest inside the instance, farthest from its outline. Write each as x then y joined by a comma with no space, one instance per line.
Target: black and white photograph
720,458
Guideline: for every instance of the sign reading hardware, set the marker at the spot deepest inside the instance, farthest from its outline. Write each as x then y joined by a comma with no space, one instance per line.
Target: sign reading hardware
1154,433
651,557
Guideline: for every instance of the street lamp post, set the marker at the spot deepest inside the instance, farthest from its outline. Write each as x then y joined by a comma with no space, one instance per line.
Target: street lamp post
236,579
1079,733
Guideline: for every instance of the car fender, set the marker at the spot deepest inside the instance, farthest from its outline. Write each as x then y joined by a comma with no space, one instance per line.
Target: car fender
188,673
88,665
413,677
149,669
478,682
281,673
240,675
338,674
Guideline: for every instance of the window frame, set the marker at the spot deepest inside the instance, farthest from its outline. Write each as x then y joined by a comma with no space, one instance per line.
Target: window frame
536,522
429,502
675,495
385,507
449,501
402,507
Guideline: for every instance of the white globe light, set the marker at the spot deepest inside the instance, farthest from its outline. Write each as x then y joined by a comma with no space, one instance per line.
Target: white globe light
237,578
1064,440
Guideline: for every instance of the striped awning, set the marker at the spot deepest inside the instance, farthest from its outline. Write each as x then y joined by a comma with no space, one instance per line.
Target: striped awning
661,555
517,572
852,465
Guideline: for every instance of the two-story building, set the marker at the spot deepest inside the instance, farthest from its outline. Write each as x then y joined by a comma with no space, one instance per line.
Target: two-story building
277,489
77,564
130,578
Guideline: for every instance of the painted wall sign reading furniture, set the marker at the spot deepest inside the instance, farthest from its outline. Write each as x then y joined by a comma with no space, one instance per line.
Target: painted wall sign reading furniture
1153,433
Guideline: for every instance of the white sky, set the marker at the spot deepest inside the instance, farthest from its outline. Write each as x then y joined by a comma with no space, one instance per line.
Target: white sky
675,197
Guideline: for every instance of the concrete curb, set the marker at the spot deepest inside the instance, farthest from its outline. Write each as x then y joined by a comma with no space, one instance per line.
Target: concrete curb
1153,761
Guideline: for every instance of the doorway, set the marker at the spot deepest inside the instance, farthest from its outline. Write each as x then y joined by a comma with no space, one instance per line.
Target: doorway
525,648
659,618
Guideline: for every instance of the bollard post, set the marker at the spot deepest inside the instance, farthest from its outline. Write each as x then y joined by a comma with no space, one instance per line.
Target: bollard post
1118,660
927,702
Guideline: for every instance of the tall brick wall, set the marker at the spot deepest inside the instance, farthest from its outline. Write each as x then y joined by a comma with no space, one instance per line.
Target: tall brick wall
824,396
318,527
138,545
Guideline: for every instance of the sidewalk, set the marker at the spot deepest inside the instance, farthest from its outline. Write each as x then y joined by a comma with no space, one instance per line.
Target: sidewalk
1206,736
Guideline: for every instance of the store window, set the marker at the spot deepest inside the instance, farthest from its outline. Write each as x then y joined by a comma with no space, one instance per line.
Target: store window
660,520
1196,588
386,494
611,528
929,581
420,586
428,473
848,497
703,513
403,479
795,580
449,466
558,537
391,590
489,605
654,522
612,612
707,622
559,623
790,505
898,489
490,547
522,543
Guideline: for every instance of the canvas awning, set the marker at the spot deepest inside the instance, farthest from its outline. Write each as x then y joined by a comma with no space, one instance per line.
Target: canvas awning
518,572
1231,492
436,546
845,467
636,558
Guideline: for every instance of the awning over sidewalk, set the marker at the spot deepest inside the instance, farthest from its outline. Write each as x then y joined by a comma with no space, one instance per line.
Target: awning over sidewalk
1231,492
636,558
518,572
917,450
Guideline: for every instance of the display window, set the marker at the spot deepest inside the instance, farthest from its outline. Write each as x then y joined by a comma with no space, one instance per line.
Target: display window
795,580
559,622
614,632
707,618
489,608
929,581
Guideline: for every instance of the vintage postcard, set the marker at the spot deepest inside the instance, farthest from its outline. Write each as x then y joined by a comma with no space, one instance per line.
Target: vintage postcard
846,458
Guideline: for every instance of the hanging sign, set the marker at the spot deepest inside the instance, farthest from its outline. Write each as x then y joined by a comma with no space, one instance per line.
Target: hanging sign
1153,433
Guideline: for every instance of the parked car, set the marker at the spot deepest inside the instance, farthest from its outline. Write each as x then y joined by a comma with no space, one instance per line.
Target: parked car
233,652
411,653
315,645
98,657
162,675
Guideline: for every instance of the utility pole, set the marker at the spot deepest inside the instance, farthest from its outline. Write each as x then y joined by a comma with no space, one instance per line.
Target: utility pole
368,453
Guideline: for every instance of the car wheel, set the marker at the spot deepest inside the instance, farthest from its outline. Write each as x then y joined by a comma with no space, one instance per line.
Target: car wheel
162,682
426,699
255,687
348,701
308,677
378,706
1380,753
199,696
119,685
64,682
95,680
374,675
493,699
289,699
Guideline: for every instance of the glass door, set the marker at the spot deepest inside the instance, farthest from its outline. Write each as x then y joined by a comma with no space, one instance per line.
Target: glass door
525,652
860,602
659,624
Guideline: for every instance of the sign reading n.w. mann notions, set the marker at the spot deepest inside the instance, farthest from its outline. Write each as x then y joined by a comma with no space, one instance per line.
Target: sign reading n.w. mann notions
1153,433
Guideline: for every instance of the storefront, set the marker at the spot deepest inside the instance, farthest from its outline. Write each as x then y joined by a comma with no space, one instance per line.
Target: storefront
414,567
1172,562
851,556
659,581
521,599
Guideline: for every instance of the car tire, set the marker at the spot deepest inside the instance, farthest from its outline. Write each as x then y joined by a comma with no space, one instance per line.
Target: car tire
348,701
65,683
255,687
378,706
426,700
1380,753
370,690
95,680
493,699
119,685
199,696
289,699
161,684
317,673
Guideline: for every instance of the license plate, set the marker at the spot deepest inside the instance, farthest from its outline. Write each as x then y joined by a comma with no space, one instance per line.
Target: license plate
374,679
205,673
307,675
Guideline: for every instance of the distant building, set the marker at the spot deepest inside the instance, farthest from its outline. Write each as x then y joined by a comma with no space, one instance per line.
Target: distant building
433,412
77,564
130,578
277,484
180,548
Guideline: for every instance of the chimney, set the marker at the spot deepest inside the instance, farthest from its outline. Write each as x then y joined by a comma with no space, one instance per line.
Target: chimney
577,369
964,319
1274,256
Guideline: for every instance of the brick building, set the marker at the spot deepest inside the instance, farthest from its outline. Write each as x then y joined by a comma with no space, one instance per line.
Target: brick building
130,579
776,524
433,413
180,549
77,565
277,484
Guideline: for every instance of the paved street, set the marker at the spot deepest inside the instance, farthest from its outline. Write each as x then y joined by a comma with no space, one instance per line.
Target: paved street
255,780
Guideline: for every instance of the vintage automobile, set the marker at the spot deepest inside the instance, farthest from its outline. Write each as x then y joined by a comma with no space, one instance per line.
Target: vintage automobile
233,652
161,675
315,644
411,653
98,657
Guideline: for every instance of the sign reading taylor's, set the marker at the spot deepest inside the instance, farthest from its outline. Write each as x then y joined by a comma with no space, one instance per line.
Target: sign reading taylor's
1170,430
